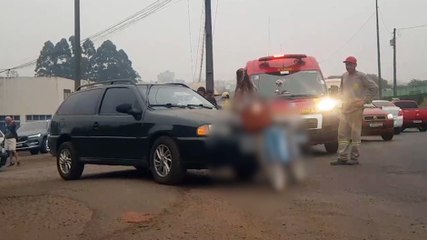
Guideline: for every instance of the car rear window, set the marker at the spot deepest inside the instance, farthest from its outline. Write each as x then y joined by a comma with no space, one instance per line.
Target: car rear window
83,103
406,105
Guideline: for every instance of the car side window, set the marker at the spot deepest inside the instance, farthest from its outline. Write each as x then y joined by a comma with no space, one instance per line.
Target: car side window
115,97
83,103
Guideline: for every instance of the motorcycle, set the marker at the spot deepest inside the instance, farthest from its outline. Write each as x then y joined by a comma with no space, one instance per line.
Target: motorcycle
277,142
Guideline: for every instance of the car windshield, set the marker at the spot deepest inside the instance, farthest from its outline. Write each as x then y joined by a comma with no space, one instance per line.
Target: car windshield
303,83
383,104
169,96
406,105
33,127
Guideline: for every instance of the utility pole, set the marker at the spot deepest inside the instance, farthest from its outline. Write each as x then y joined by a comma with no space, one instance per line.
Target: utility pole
77,49
209,47
393,44
379,53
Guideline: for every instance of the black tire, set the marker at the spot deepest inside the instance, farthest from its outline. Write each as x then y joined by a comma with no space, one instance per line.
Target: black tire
331,147
397,131
44,148
423,129
387,136
245,172
35,151
176,172
73,164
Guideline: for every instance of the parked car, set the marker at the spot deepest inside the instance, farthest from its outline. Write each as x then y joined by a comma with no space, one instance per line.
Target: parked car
162,127
1,137
396,111
413,116
377,122
33,137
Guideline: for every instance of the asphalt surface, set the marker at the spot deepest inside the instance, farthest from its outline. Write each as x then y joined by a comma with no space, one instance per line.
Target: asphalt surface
383,198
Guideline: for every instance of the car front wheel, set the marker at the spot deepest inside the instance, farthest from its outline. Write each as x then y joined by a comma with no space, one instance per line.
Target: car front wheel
423,129
387,136
165,162
68,163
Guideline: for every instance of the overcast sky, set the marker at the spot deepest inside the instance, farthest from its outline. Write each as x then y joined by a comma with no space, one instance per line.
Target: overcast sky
329,30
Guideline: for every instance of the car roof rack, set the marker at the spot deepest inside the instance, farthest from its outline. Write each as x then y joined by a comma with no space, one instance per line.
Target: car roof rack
108,82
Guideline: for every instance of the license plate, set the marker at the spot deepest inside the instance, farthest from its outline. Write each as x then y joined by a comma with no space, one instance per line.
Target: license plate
375,125
418,121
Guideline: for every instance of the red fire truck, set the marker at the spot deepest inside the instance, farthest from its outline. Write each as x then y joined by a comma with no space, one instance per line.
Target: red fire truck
295,80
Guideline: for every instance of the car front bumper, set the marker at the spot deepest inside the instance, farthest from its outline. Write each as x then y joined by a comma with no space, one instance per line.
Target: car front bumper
398,122
29,144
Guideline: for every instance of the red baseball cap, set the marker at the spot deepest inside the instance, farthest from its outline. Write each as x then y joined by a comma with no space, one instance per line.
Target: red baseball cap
351,59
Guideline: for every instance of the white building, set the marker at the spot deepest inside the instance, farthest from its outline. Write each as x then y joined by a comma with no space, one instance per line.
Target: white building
32,99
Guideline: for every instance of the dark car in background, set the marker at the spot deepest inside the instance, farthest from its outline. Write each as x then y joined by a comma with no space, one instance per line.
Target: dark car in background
162,127
33,137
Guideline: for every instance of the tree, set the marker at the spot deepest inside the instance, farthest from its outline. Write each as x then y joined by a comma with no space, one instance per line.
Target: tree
414,83
384,83
88,60
46,61
112,64
63,66
166,77
104,63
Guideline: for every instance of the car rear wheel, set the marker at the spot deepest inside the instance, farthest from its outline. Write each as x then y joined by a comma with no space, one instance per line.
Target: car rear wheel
331,147
423,129
387,136
165,162
68,163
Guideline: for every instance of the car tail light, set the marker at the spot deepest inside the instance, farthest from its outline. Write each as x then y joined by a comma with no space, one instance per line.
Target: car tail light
400,112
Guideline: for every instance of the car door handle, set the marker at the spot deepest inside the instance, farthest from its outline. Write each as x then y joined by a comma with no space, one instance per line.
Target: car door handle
95,125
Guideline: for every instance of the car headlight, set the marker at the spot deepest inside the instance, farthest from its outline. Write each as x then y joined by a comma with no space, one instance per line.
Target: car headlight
327,104
35,136
204,130
390,116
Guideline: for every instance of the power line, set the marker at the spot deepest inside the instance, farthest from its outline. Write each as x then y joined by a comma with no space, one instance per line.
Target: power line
382,20
201,39
351,38
216,16
419,26
190,37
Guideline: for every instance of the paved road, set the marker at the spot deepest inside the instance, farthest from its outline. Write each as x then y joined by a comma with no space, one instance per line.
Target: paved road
383,198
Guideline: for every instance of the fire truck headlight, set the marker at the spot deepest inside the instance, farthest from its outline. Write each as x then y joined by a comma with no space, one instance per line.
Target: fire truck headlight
327,104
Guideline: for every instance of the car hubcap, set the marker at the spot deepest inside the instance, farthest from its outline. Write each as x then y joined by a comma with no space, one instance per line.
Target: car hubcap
162,160
65,161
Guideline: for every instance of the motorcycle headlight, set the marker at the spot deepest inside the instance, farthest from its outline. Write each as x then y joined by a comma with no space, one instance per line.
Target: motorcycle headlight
35,136
327,104
390,116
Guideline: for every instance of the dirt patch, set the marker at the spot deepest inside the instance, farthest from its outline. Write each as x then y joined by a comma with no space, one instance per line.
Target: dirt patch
42,217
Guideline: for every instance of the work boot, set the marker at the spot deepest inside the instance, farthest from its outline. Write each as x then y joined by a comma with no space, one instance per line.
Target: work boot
339,162
354,161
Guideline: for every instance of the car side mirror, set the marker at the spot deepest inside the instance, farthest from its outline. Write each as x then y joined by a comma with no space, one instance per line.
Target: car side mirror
128,109
124,108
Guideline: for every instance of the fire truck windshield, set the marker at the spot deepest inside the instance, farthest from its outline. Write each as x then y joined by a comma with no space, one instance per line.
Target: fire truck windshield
302,83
